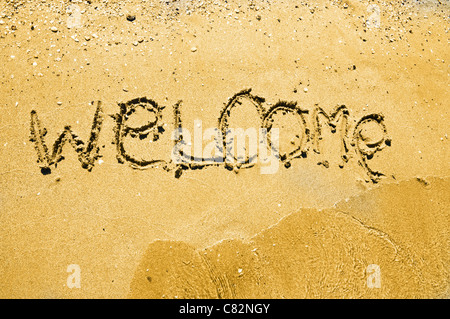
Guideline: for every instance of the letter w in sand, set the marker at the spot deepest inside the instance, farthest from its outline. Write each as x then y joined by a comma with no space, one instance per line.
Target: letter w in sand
86,154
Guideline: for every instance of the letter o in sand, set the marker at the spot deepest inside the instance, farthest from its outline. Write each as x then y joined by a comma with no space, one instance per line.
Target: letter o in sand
239,123
293,132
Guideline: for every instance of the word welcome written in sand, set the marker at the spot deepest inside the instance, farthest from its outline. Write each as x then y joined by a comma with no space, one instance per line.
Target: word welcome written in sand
369,136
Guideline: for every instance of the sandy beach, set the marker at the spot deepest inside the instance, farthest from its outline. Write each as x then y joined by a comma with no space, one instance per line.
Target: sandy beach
93,93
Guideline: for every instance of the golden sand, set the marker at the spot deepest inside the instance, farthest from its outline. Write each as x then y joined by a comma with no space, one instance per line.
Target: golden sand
88,184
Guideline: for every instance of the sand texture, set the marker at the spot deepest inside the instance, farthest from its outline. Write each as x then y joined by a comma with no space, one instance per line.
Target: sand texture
97,95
